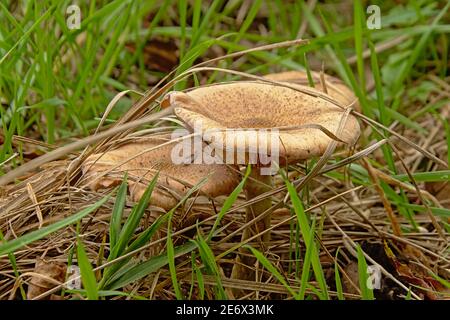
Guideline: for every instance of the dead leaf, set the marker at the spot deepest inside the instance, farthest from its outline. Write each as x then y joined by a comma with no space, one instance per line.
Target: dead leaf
52,273
350,284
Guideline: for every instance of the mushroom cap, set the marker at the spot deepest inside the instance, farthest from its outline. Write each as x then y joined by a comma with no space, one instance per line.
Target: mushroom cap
336,88
233,108
143,158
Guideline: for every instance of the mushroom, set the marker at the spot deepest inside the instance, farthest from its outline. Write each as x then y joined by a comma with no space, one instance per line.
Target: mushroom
143,158
334,86
224,113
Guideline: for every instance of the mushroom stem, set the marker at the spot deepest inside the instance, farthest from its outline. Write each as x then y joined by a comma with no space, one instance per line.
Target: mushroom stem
256,185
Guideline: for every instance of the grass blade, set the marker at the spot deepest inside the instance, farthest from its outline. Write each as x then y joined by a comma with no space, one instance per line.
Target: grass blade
306,265
171,260
145,268
13,245
337,278
210,264
116,216
435,176
366,292
358,18
271,268
87,273
200,281
305,231
229,202
145,236
133,221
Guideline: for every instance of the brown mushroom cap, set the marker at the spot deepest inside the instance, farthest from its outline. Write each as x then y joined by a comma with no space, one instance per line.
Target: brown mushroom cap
243,105
336,88
142,168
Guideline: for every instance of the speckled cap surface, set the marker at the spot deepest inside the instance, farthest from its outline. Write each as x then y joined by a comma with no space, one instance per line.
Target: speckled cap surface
233,108
143,158
336,88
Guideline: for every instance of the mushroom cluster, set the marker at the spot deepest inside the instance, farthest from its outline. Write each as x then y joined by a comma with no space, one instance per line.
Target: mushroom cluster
297,124
255,123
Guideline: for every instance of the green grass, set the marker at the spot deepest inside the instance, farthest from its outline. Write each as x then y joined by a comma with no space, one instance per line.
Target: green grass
132,222
87,273
229,202
366,290
208,258
273,270
337,279
13,261
123,238
311,248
